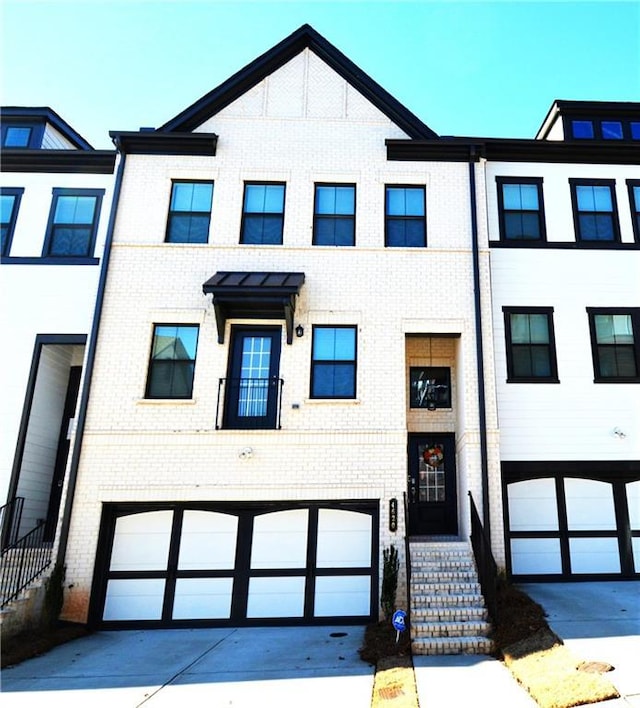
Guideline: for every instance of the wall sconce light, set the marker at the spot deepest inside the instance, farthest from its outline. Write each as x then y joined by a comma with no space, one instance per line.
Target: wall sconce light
299,331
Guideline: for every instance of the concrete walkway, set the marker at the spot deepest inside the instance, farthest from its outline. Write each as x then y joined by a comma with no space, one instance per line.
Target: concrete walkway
288,667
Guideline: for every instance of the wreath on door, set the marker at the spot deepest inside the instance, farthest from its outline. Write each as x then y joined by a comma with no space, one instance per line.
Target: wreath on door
433,455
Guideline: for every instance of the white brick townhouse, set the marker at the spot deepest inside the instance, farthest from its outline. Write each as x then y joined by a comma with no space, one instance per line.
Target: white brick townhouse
316,308
55,193
288,345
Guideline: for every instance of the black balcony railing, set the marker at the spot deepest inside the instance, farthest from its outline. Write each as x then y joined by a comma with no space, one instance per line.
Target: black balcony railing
23,562
10,518
485,562
249,403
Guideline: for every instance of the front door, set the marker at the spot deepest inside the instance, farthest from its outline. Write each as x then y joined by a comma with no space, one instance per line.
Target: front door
253,386
432,485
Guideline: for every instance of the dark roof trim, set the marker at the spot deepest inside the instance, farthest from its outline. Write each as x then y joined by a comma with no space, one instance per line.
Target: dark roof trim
154,143
48,115
304,37
513,150
90,162
243,294
587,109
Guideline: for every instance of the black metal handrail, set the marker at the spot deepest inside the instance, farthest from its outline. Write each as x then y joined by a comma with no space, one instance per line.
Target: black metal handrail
485,563
23,562
249,403
10,518
407,557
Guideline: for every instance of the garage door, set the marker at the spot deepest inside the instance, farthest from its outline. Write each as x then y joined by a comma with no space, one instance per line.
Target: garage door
210,565
562,526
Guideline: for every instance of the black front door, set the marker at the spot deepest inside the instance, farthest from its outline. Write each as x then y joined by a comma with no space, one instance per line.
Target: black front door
432,485
253,386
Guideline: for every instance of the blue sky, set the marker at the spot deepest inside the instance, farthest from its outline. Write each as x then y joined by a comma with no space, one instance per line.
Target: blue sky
465,68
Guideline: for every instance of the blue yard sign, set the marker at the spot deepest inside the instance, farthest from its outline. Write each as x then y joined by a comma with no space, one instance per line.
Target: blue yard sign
399,621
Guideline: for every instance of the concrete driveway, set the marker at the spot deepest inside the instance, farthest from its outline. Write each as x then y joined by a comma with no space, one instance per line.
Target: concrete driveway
246,667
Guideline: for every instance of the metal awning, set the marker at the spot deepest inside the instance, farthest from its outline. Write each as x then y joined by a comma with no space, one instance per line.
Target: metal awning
242,294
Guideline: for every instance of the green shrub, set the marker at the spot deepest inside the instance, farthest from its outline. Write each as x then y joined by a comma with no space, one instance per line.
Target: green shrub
390,566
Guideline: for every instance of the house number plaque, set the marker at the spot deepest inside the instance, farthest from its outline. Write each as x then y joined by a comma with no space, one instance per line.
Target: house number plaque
393,514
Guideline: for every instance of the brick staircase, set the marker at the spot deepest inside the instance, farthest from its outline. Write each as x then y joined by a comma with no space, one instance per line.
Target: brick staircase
448,613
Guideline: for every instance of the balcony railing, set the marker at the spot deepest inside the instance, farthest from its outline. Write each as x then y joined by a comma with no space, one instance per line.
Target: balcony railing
23,562
249,404
485,562
10,519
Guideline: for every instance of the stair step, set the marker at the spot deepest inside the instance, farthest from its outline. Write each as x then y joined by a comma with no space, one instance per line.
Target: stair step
431,646
443,576
450,629
453,588
446,600
451,613
444,564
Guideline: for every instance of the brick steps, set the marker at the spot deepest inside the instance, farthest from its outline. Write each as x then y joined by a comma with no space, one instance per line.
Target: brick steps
448,614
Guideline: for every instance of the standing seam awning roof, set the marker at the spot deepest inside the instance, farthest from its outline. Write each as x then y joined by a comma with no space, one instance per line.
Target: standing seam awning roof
250,294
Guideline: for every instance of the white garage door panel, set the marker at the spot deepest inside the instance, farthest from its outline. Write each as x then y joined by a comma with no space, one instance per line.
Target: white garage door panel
532,505
141,541
594,555
280,540
135,599
633,502
342,596
589,505
635,545
276,597
208,541
530,556
344,539
203,598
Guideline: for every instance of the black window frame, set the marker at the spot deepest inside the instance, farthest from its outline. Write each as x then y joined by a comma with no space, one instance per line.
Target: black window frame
93,227
598,132
512,377
389,218
174,214
634,205
574,183
502,212
36,133
335,216
246,215
10,226
326,362
153,361
634,313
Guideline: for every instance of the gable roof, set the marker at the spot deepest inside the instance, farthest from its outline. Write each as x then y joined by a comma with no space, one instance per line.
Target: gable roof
304,37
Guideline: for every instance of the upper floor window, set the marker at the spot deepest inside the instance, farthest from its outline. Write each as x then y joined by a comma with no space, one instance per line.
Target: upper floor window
189,212
634,200
531,355
595,210
615,343
405,223
73,222
173,361
9,205
521,209
17,136
604,129
334,215
333,362
263,213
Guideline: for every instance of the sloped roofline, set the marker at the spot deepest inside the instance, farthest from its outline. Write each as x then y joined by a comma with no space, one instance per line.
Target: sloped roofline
47,115
254,72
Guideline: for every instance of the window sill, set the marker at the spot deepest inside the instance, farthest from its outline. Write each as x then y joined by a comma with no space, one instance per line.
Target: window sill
167,401
49,260
618,380
316,401
541,380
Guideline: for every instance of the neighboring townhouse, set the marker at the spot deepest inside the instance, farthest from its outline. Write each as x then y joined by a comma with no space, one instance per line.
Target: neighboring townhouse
288,346
564,230
55,193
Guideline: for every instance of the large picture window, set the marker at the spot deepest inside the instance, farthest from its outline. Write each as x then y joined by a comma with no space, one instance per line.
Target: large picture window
333,365
405,223
615,344
595,211
263,213
521,209
189,212
173,360
73,222
531,356
334,215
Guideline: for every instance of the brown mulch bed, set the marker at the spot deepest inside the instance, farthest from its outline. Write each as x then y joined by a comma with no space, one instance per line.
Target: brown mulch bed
33,643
